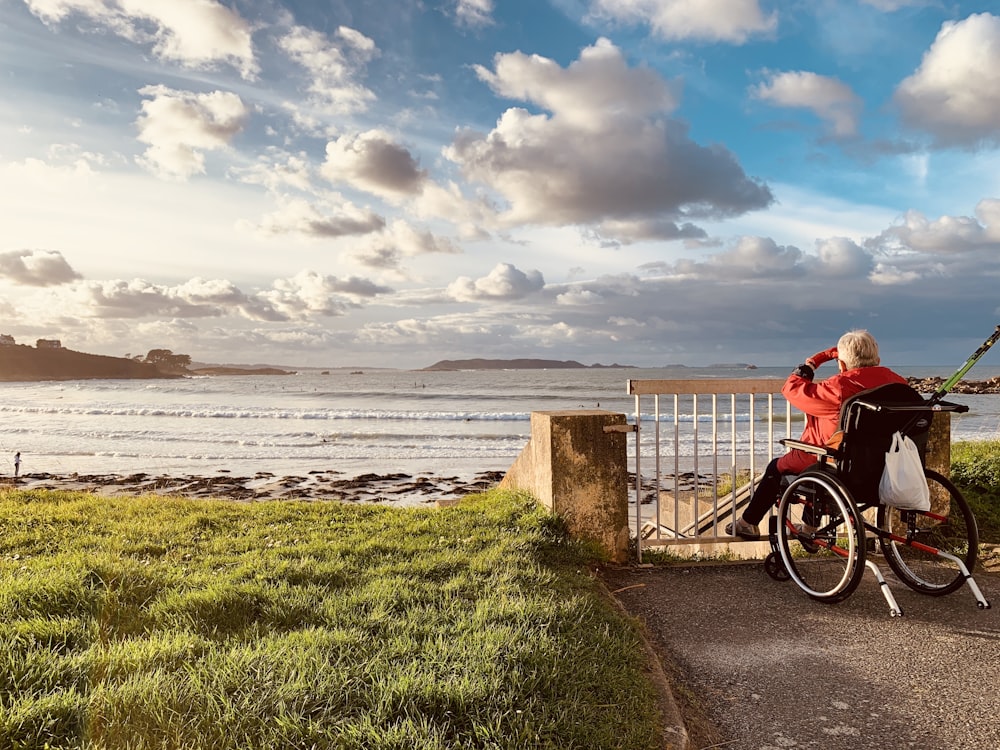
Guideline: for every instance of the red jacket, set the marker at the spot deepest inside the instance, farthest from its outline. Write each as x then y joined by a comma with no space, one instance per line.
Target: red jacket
821,403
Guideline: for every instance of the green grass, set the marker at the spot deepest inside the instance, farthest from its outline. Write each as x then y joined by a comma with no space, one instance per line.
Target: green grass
174,623
975,470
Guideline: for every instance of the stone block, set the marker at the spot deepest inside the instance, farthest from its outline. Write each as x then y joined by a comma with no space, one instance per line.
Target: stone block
575,464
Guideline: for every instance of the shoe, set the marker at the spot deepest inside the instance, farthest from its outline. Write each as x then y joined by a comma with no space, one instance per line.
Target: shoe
804,534
743,530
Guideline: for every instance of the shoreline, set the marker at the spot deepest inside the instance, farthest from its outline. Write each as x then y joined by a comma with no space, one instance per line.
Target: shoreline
397,489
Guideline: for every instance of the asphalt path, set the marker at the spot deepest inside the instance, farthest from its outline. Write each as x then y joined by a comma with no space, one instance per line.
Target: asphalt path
772,668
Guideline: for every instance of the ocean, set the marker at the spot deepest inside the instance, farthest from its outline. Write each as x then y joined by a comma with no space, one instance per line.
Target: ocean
376,421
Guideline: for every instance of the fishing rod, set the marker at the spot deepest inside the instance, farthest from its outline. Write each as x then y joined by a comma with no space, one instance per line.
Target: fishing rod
976,356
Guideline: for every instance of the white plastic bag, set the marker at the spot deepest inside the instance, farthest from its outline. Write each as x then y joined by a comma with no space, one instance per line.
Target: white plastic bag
903,483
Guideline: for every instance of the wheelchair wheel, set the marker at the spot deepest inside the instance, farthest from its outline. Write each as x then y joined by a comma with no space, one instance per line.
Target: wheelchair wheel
917,537
828,565
774,568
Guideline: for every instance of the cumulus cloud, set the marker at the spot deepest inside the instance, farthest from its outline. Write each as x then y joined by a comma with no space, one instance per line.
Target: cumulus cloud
372,161
606,153
277,170
578,296
955,93
309,293
400,239
180,126
762,259
595,91
139,298
953,256
732,21
830,99
504,282
305,295
321,220
841,257
193,33
333,66
36,268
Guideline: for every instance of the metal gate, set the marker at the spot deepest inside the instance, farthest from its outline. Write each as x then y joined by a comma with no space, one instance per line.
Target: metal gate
706,443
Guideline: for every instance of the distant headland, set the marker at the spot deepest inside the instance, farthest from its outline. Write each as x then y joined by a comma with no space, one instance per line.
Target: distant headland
18,362
49,360
517,364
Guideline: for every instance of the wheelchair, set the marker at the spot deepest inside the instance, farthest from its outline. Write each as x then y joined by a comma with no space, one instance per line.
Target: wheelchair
933,552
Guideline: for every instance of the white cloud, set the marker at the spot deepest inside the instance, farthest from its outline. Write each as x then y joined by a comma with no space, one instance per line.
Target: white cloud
320,219
372,161
605,154
474,13
830,99
138,298
749,258
576,296
36,268
333,66
194,33
649,229
504,282
180,126
841,257
955,93
309,293
277,170
732,21
946,235
593,92
306,295
400,239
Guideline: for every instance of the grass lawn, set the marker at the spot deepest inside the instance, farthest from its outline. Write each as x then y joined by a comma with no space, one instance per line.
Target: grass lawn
174,623
975,470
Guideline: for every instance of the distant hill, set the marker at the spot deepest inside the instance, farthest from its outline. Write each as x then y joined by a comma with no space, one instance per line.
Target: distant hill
514,364
26,363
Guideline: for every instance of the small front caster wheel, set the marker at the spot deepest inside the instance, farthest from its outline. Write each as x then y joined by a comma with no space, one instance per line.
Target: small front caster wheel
775,568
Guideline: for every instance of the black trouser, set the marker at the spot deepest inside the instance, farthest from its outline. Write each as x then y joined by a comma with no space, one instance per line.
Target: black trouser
767,493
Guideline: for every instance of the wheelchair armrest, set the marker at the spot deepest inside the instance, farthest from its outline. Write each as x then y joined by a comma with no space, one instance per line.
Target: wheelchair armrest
798,445
949,406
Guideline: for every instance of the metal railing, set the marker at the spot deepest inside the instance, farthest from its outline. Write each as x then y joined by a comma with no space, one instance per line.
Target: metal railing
707,442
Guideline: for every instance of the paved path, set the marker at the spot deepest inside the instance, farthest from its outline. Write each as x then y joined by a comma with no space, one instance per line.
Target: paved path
775,669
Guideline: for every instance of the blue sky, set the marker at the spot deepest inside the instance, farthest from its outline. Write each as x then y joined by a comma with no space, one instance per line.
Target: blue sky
394,182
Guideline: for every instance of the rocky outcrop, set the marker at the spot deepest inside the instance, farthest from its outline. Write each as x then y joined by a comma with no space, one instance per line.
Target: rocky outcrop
929,385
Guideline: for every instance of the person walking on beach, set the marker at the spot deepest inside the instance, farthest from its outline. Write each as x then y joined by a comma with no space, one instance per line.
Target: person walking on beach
17,463
857,357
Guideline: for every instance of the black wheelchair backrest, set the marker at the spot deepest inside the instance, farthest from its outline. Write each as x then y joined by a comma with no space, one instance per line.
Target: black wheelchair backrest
868,421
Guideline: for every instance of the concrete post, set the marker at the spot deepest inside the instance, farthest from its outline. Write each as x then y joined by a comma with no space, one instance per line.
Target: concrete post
937,457
575,464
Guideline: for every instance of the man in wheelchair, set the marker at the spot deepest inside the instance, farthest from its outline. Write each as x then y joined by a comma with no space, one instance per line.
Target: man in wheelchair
858,360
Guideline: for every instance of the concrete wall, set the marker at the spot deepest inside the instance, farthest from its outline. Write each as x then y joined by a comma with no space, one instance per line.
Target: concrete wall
576,465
